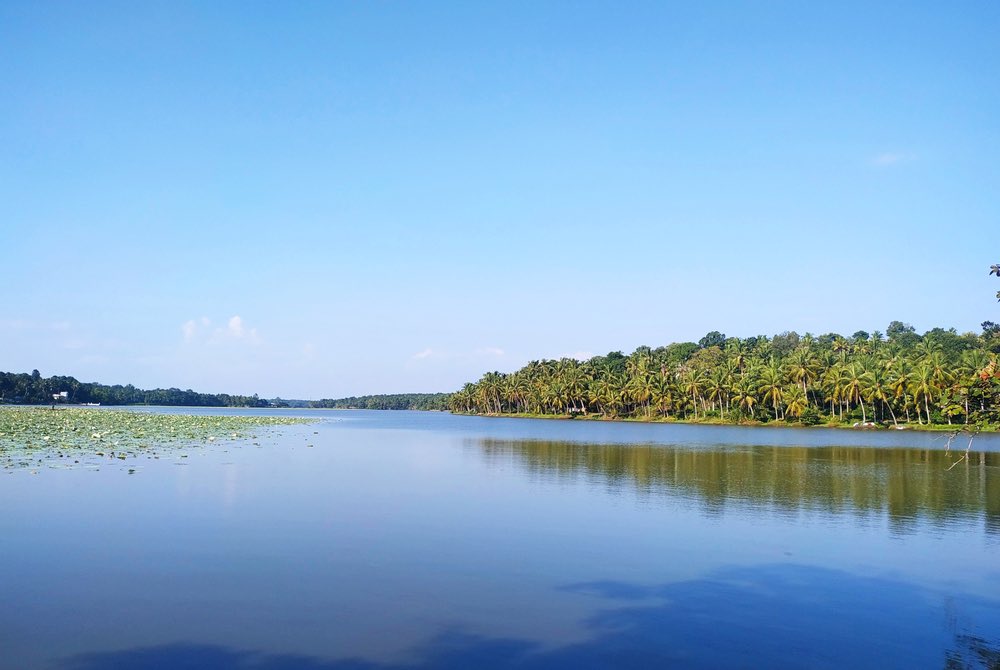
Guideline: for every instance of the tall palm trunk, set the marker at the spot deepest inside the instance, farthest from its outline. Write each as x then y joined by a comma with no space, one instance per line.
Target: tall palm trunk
891,413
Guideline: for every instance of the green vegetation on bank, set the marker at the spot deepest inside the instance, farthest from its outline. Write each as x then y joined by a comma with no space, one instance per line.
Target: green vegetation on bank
421,401
900,377
33,389
33,435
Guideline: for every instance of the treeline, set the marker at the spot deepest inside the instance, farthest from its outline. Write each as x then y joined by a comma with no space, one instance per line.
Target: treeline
940,377
422,401
33,389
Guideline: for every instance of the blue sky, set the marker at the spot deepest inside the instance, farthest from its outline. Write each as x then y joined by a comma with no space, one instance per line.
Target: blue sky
324,199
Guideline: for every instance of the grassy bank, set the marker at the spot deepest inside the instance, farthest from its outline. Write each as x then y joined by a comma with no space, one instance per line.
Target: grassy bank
716,421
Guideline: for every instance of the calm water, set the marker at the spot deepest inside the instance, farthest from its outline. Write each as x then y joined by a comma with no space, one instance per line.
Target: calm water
375,540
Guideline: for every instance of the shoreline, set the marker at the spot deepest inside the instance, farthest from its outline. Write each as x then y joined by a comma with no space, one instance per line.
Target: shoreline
924,428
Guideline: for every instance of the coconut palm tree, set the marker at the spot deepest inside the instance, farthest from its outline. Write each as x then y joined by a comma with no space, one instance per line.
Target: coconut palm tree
841,347
974,362
796,401
555,397
877,386
922,387
940,370
663,393
491,388
803,368
744,395
640,389
717,388
691,383
853,385
908,373
605,392
736,349
771,386
575,379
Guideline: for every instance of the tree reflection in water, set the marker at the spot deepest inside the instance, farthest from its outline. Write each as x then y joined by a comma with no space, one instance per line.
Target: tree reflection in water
906,484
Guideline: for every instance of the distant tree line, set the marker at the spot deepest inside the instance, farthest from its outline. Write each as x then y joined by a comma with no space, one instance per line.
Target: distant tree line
940,377
33,389
421,401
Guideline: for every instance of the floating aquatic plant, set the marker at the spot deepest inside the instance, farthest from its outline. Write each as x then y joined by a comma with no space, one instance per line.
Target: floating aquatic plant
33,436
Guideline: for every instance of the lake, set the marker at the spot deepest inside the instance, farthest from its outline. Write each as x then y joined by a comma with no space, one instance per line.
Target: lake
392,540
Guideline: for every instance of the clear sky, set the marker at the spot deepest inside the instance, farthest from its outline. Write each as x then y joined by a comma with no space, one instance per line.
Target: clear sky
330,198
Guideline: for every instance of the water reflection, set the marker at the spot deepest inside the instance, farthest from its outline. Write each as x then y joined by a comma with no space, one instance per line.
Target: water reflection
775,616
435,548
905,484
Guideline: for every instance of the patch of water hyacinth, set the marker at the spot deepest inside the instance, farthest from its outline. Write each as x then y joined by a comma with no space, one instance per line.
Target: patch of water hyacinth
35,436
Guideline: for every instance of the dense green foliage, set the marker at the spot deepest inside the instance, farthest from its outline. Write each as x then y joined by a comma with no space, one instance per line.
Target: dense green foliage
33,389
940,377
422,401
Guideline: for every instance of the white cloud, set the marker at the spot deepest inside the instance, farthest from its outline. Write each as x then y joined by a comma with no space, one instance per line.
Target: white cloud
892,158
438,354
24,324
236,326
235,329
